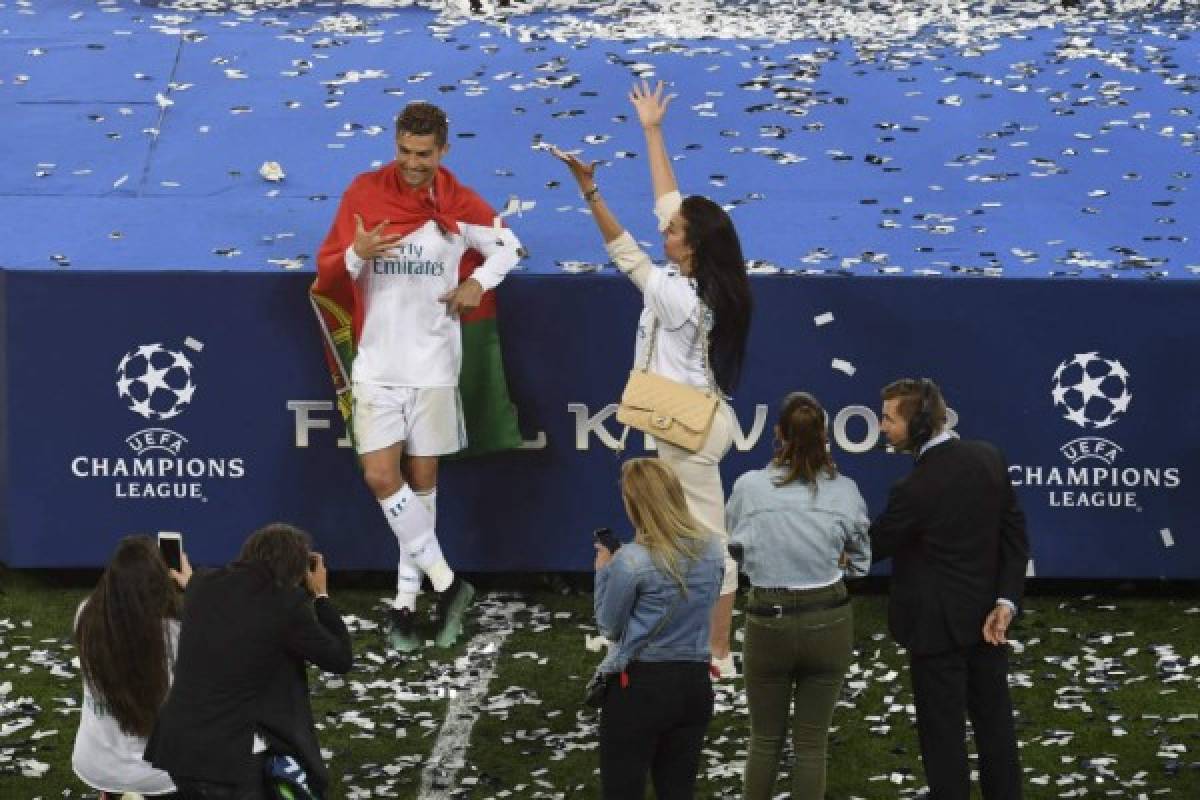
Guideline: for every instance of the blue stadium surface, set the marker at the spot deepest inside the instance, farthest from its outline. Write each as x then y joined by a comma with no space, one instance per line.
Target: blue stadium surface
1014,140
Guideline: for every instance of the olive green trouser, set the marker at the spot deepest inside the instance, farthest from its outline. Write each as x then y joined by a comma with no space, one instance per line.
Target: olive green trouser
795,661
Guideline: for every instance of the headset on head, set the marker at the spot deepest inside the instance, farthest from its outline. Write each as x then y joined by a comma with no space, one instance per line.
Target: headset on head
920,426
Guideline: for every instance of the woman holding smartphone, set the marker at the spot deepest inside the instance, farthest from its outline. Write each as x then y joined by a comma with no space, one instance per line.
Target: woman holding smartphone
802,526
127,631
698,317
654,598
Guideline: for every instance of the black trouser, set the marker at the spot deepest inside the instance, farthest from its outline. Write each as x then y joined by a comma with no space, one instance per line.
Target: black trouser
655,726
206,790
949,687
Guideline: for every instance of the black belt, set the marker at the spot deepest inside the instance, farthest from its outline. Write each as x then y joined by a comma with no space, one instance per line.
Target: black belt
783,611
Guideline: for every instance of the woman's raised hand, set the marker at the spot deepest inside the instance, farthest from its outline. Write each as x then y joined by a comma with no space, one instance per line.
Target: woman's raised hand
584,174
651,106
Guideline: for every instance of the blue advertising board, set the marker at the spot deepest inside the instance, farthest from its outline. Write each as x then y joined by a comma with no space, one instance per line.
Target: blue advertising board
1088,387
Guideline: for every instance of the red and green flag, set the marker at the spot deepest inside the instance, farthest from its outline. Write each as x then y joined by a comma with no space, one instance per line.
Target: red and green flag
490,416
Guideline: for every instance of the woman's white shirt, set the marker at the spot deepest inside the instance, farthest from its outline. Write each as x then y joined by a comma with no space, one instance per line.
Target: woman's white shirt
105,757
670,298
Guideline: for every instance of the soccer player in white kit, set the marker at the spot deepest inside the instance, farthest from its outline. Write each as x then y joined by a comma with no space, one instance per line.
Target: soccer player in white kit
404,260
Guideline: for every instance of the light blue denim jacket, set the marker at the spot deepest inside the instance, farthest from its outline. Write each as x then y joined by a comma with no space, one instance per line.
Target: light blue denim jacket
793,537
633,595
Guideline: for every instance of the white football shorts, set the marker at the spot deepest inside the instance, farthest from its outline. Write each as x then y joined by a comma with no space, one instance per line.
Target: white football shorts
429,421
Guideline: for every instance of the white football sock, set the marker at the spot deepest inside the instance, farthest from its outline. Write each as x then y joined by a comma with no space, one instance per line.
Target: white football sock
412,523
408,582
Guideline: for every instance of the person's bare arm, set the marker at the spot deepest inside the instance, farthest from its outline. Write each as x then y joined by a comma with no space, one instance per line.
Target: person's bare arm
651,107
585,176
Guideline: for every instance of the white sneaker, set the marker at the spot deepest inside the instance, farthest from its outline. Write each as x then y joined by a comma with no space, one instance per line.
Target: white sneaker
726,670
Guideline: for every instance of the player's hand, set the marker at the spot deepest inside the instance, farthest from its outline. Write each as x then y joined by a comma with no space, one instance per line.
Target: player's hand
182,575
316,580
651,106
372,243
995,627
584,174
603,556
465,297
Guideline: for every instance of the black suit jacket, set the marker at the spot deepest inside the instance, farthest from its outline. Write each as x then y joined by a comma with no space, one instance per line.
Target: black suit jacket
240,669
957,540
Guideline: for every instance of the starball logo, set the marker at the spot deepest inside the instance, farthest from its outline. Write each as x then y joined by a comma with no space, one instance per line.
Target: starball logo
157,384
1093,392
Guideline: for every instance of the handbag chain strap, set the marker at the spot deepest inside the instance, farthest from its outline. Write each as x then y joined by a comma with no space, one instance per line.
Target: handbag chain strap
704,317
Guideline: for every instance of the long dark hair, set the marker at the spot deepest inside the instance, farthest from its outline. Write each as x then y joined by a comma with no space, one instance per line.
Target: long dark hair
802,448
282,550
122,637
719,270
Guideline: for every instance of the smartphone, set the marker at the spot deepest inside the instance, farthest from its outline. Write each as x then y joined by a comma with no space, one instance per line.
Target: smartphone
170,544
607,538
312,562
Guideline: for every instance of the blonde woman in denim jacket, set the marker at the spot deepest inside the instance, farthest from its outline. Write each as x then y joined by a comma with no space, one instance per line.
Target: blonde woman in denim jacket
654,600
801,526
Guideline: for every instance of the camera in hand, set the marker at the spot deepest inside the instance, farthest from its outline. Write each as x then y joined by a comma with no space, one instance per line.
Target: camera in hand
607,539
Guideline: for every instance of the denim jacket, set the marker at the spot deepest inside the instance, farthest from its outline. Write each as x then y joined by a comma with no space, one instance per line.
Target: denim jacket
632,596
793,536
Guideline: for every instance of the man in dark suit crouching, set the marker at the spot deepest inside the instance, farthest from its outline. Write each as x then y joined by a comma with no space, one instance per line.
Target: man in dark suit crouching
956,537
237,720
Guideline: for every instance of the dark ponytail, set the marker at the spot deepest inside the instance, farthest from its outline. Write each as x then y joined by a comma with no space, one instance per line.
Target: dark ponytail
802,448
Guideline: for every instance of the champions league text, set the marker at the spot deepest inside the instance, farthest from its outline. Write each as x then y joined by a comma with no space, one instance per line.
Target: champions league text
1094,487
158,478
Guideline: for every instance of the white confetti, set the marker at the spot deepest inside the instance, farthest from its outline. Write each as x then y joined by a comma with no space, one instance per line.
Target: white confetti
272,171
843,366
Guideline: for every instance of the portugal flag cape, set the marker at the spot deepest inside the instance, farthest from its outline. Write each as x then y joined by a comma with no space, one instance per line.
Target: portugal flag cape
491,419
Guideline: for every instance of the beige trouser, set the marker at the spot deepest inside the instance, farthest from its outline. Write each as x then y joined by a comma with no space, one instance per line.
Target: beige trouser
700,475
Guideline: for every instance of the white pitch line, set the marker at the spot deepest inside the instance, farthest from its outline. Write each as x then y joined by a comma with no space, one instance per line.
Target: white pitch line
447,759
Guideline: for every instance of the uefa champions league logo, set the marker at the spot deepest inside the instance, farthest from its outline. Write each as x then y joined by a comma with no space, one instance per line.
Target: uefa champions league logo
157,382
1090,390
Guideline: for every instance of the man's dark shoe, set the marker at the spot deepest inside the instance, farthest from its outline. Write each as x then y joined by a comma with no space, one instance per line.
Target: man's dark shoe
452,606
401,630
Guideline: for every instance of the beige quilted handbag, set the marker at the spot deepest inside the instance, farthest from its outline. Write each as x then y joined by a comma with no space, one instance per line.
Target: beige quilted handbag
668,410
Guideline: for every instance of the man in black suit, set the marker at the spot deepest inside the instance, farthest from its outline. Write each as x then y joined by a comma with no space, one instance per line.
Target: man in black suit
240,692
956,537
